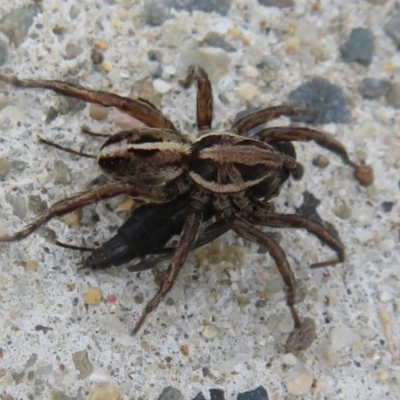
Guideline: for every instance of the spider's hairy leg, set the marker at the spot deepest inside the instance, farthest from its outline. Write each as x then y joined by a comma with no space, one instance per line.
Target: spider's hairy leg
298,221
302,134
264,115
204,96
249,232
140,109
82,199
188,236
66,149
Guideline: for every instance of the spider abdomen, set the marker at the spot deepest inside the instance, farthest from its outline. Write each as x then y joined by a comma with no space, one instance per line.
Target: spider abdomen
148,156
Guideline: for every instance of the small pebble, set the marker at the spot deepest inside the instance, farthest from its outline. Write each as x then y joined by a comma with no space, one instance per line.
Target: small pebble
215,61
18,205
16,24
31,265
292,45
331,356
250,71
342,337
161,86
93,296
97,56
82,364
373,88
325,98
385,297
185,350
72,219
72,51
3,52
342,210
383,375
393,95
155,13
208,6
36,204
55,395
359,47
170,393
321,161
98,113
286,325
108,66
277,3
210,331
247,91
5,166
214,39
62,173
319,386
387,206
257,394
307,32
128,205
365,175
174,32
301,385
392,28
105,392
289,359
261,303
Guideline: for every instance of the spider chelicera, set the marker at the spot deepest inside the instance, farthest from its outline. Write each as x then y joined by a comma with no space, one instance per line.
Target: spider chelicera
235,174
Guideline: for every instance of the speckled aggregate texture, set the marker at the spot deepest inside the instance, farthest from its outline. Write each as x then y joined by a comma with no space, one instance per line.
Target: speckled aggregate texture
225,323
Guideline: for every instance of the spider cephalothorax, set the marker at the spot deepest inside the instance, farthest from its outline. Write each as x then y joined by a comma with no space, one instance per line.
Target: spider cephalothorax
234,174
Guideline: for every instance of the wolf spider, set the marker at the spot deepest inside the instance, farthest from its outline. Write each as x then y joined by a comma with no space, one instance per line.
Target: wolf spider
235,174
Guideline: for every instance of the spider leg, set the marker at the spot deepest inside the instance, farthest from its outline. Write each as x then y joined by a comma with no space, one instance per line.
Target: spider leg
249,232
140,109
82,199
87,131
294,133
298,221
204,96
66,149
264,115
186,240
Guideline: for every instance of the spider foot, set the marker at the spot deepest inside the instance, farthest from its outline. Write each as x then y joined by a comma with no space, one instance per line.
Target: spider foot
302,337
324,264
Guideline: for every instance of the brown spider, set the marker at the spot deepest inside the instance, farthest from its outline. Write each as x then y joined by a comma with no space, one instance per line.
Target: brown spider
237,175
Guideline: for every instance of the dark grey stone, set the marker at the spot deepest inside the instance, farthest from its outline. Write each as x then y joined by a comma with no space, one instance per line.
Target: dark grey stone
257,394
387,206
219,6
214,39
16,24
392,28
309,210
325,101
199,396
170,393
217,394
372,88
156,12
277,3
261,303
359,47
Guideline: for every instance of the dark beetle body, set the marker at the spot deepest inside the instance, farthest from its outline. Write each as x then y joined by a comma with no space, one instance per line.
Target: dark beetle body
151,226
